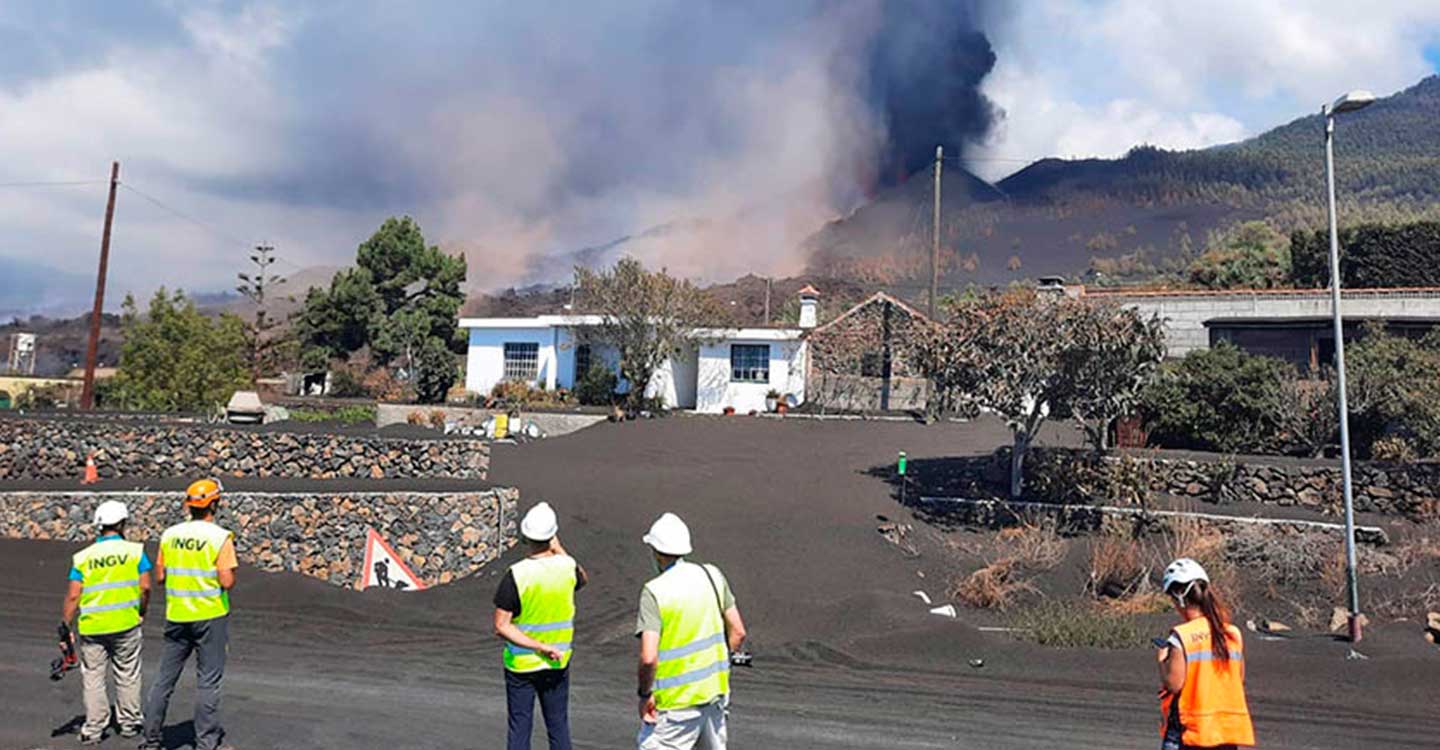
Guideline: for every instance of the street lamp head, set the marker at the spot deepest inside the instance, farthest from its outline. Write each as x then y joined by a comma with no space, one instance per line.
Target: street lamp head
1357,99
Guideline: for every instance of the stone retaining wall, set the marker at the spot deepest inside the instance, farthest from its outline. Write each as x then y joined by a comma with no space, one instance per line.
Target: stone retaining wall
54,448
442,536
1410,490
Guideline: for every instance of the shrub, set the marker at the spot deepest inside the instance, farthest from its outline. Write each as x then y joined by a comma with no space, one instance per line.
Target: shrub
1308,418
1393,448
518,393
1020,551
1117,567
47,397
344,415
416,417
1068,477
382,385
1067,625
1221,399
1394,392
345,382
995,586
437,419
436,369
597,387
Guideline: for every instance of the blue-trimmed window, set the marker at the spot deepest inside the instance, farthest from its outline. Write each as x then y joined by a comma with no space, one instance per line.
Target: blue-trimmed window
749,363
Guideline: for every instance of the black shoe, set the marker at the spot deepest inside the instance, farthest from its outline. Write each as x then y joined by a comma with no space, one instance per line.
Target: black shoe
131,731
91,739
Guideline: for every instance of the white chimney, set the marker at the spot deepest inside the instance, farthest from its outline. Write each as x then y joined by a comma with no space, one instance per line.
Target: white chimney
809,306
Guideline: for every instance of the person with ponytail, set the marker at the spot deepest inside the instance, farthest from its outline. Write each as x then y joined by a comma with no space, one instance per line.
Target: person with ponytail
1202,668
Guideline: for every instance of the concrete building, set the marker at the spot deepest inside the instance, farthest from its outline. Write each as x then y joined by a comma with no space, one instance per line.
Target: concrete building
728,367
1291,324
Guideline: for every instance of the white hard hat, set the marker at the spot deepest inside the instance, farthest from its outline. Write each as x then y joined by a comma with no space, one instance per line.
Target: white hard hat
540,523
110,513
669,536
1183,571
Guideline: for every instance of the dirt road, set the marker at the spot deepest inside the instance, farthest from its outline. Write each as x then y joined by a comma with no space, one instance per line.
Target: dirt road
845,656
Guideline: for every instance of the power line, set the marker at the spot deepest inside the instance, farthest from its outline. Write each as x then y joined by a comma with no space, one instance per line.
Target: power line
187,217
50,183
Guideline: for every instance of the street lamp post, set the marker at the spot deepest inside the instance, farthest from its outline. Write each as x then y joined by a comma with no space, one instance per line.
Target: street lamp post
1347,103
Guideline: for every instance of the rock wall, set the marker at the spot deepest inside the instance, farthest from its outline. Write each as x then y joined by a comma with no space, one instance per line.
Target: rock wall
55,448
442,536
1411,490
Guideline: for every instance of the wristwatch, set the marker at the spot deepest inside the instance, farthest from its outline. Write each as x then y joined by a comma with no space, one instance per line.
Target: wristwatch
644,692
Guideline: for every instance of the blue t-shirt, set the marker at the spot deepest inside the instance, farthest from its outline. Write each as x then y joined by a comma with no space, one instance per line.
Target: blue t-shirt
75,574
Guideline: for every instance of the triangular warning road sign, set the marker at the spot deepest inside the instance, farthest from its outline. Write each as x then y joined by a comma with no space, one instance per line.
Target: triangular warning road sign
384,568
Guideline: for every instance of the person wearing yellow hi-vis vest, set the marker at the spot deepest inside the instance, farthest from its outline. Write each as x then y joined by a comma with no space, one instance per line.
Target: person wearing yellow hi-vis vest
109,590
688,626
535,617
197,565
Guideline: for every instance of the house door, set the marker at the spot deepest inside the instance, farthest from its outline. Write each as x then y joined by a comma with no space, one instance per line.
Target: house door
685,369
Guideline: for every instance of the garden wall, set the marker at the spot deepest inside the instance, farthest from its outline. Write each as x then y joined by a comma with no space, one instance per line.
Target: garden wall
54,448
1411,489
442,536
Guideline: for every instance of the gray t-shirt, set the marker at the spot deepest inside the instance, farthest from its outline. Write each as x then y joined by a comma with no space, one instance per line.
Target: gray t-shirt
649,618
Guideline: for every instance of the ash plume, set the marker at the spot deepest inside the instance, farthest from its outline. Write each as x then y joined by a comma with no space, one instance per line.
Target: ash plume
926,65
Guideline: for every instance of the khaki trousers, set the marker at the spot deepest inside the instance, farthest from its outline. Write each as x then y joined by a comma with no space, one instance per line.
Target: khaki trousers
115,654
697,728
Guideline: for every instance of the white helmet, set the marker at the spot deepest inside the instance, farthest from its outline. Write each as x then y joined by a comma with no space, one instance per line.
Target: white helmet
1183,571
669,536
540,523
110,513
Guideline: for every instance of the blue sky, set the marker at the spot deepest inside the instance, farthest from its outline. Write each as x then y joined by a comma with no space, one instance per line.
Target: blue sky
513,131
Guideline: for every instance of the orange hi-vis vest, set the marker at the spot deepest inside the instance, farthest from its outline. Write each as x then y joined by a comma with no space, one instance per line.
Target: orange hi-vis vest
1210,710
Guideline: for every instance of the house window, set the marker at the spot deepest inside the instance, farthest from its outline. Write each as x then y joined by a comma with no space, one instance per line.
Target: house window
582,361
872,365
749,363
522,361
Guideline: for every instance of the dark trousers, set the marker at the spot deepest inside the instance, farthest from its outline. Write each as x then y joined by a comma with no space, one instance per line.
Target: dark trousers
209,640
552,687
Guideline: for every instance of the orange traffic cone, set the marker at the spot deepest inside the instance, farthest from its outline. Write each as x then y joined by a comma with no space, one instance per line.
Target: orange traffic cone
92,475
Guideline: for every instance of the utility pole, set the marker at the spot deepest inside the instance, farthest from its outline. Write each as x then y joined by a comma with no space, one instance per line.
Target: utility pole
768,282
87,392
935,236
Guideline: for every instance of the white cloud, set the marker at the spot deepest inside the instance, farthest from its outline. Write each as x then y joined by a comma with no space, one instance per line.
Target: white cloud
1093,79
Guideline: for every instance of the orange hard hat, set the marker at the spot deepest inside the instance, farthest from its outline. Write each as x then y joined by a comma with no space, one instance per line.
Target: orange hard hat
202,492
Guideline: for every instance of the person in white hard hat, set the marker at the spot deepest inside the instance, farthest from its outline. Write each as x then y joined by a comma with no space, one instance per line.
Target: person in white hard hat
1202,667
535,617
109,590
688,627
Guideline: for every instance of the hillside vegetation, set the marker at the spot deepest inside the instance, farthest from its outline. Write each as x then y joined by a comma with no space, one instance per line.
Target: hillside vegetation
1151,211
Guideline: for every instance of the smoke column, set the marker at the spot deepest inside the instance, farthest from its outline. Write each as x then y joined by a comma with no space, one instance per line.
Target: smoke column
926,65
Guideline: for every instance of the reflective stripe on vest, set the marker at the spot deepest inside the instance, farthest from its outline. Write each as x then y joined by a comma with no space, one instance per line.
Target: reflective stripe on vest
192,584
110,586
1211,708
547,611
694,661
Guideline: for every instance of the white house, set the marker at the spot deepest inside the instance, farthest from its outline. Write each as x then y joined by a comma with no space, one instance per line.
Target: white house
734,367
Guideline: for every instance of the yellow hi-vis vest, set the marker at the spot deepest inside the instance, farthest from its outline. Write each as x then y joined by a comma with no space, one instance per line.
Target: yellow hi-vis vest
110,575
547,611
192,584
694,666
